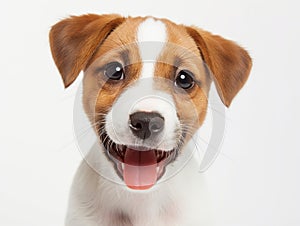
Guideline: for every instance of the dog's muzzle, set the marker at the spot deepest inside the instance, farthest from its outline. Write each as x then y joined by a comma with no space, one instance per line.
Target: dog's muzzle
139,166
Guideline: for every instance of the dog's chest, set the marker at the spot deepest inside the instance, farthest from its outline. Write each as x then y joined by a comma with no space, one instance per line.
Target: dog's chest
159,208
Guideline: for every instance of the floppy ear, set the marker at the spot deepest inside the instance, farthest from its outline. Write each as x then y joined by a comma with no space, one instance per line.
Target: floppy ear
229,64
73,41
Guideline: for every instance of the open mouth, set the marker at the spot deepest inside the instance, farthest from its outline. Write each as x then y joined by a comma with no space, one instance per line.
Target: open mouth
140,168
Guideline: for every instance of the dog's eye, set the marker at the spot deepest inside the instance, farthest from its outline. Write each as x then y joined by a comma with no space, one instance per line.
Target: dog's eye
185,79
114,71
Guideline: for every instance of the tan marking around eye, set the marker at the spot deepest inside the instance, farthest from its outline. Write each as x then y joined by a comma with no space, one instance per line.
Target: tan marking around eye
120,46
181,53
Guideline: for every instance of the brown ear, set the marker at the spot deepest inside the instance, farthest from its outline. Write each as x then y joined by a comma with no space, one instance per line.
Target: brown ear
73,41
229,64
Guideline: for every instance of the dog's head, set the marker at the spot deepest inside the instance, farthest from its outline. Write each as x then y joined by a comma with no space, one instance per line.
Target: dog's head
146,83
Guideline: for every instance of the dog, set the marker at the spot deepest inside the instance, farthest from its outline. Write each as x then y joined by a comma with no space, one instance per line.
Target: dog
145,92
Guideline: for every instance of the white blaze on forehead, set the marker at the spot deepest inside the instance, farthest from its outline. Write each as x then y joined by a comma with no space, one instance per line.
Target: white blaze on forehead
151,37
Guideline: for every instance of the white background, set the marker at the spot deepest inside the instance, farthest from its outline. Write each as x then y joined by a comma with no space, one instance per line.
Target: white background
258,170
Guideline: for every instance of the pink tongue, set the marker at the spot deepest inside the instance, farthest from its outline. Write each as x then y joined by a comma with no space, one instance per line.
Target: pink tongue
140,169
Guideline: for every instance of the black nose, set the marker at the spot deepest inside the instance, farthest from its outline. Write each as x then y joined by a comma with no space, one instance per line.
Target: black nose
143,124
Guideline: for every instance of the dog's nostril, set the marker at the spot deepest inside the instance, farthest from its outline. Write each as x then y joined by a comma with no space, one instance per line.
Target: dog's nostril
143,124
156,124
136,126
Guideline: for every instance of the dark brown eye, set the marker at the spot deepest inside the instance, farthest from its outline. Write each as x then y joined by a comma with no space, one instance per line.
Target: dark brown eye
114,71
185,79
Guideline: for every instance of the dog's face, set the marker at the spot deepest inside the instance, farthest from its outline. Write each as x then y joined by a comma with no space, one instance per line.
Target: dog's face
146,84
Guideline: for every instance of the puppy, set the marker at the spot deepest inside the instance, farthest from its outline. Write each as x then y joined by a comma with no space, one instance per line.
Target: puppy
145,93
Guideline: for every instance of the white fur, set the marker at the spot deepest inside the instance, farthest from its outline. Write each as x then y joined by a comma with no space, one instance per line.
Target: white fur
151,37
141,97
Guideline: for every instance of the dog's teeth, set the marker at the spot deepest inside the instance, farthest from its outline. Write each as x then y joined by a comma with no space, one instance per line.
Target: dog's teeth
122,165
160,170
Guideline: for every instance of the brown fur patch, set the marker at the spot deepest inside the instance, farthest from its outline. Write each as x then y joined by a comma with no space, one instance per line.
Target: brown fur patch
74,40
181,53
229,63
100,93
